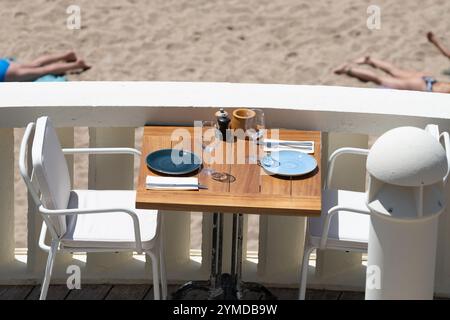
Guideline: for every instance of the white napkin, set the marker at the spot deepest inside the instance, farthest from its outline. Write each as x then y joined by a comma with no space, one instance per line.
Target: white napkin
171,183
276,147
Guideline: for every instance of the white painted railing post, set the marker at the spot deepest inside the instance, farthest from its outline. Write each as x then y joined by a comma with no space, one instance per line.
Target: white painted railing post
338,268
280,243
177,236
442,276
206,244
6,196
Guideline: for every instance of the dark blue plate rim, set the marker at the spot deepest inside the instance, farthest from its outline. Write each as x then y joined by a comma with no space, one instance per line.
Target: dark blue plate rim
195,166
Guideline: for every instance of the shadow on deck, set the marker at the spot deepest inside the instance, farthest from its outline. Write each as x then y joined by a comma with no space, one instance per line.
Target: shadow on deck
145,292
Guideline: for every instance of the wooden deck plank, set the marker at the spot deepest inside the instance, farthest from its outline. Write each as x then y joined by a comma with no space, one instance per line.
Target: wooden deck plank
55,292
14,292
90,292
322,295
128,292
352,295
441,298
170,289
136,292
285,293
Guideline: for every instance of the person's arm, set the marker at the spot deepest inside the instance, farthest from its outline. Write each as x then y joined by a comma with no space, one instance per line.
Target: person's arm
432,38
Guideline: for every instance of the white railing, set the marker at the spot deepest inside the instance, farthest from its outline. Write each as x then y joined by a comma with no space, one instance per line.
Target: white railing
113,109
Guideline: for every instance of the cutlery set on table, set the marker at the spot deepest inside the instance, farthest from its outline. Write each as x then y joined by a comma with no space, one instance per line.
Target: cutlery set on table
173,183
273,145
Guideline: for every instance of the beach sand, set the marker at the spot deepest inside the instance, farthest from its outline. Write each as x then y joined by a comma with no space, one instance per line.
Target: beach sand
261,41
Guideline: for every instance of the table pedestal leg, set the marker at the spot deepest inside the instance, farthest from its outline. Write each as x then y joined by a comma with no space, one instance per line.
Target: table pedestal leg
224,286
237,239
216,250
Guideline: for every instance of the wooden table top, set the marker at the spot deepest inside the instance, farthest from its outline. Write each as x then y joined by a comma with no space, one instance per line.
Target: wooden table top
252,192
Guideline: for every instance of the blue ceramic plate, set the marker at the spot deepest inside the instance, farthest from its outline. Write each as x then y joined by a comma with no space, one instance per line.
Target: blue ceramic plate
173,161
289,163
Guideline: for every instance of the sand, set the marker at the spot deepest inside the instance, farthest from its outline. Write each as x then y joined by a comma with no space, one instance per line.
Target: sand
262,41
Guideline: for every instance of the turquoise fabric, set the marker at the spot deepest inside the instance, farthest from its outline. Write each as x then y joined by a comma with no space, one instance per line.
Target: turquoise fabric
51,78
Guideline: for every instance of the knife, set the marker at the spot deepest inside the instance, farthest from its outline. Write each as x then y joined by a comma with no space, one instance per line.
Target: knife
290,145
167,185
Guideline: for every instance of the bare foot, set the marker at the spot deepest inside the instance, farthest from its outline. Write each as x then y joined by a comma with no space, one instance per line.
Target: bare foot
363,60
70,56
80,67
342,69
431,37
82,64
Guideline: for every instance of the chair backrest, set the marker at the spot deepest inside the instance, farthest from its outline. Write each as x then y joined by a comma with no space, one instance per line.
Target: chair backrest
51,171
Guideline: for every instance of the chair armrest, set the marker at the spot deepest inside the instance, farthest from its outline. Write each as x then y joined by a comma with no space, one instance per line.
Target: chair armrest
42,244
338,152
102,151
72,212
447,151
330,214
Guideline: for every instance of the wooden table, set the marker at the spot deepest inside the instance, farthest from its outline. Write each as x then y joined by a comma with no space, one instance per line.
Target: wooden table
250,191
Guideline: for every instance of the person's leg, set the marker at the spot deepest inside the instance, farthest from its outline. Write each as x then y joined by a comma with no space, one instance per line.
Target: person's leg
368,75
434,40
415,84
359,73
387,67
19,72
69,56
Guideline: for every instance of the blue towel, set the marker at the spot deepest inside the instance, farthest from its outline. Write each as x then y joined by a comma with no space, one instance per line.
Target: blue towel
51,78
47,77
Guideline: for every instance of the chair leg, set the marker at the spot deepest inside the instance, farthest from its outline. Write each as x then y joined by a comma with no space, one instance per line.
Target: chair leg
48,270
155,272
304,272
162,262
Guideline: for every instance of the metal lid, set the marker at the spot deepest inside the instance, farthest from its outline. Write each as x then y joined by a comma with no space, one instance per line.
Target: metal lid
221,113
407,156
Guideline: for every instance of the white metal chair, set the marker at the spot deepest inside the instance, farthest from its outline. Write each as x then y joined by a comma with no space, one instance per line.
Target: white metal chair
344,222
85,220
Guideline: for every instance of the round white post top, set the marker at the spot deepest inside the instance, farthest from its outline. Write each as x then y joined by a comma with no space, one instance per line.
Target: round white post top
407,156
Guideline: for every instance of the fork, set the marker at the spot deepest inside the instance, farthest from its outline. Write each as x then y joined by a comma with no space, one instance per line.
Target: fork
306,146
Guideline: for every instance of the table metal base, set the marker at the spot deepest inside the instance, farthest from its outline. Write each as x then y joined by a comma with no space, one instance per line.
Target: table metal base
224,286
227,290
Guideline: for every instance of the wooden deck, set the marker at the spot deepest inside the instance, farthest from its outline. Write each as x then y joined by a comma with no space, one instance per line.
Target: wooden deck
145,292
